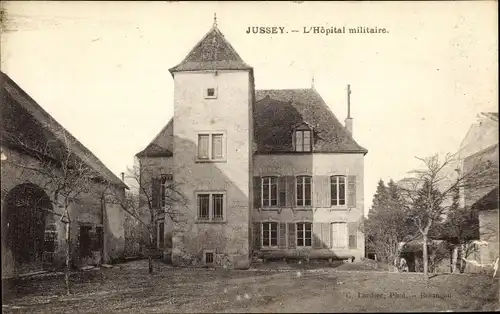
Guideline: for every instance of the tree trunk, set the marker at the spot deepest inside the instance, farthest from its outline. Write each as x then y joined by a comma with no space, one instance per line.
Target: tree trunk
425,257
454,259
68,257
150,252
462,257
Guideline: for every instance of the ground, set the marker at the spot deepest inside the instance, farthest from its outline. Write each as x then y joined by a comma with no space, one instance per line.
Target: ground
128,287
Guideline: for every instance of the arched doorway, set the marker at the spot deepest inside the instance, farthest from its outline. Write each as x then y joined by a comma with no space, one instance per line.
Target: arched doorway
23,230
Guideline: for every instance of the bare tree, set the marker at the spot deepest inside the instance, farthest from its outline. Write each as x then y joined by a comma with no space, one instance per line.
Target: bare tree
155,199
428,195
56,168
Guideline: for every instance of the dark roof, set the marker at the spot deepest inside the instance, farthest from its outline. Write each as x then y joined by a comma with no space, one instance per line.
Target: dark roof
488,200
21,115
161,145
212,52
278,112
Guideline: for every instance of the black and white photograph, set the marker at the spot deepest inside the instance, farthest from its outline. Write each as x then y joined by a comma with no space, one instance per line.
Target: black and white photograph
253,156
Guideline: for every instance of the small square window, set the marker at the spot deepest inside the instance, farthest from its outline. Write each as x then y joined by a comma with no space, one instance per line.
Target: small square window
211,92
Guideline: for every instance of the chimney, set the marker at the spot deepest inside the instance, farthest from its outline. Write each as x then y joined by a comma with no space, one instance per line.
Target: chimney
348,120
123,176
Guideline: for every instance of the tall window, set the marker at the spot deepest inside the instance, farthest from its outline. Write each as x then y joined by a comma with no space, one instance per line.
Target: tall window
211,146
339,235
302,140
337,190
211,206
161,234
269,191
304,191
165,181
269,234
304,234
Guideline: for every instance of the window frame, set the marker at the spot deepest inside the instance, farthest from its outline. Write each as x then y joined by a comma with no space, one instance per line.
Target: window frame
303,192
269,200
165,180
207,96
337,183
270,224
210,152
302,132
211,209
304,223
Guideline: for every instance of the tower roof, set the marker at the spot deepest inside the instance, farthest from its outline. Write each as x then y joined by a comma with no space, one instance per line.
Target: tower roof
212,52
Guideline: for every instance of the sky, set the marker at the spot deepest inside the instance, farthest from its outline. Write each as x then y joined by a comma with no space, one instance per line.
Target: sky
101,68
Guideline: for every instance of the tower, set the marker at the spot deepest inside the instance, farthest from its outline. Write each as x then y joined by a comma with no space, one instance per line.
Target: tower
212,162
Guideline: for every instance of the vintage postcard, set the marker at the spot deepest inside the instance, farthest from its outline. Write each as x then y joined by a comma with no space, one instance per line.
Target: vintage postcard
300,156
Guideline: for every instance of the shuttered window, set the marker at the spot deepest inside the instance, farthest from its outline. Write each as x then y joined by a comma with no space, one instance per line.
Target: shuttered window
217,146
211,146
337,190
269,234
203,146
304,234
339,235
269,191
304,191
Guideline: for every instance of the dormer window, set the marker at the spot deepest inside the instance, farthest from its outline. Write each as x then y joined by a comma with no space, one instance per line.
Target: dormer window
211,92
302,137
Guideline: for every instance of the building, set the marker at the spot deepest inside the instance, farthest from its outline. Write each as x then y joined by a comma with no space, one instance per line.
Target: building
268,172
480,145
33,235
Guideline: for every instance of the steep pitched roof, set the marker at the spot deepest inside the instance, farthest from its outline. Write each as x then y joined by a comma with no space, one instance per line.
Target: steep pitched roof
278,112
212,52
162,144
21,115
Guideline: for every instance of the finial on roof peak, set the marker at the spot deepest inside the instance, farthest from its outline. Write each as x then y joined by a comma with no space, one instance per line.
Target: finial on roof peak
312,81
215,19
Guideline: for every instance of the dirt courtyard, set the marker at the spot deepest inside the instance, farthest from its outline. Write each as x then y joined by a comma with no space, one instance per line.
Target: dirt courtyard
129,288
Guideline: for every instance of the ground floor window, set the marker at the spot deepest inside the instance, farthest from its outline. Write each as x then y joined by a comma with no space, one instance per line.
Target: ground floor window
269,234
304,234
339,235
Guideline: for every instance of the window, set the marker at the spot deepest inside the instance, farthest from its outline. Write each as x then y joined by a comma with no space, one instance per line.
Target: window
302,140
161,234
211,92
337,190
209,257
269,191
211,206
304,191
165,181
339,235
269,234
304,234
211,146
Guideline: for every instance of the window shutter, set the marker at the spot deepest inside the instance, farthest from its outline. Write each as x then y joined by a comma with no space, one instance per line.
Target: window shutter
317,241
256,235
291,236
257,203
282,191
325,234
155,193
321,185
351,190
353,230
282,235
290,189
